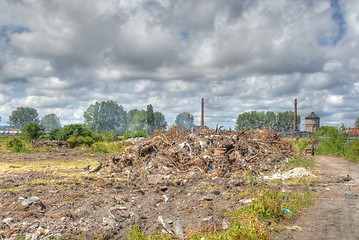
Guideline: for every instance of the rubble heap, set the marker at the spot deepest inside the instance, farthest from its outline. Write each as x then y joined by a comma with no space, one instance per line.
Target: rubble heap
221,151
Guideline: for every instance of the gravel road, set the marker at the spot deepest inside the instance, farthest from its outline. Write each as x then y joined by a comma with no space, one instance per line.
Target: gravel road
335,215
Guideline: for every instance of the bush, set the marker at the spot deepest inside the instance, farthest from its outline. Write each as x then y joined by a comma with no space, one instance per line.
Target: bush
353,151
108,137
15,144
102,147
32,130
80,141
73,130
129,135
332,141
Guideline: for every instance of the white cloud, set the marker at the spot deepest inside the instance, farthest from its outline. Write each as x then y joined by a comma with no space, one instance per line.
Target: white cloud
61,56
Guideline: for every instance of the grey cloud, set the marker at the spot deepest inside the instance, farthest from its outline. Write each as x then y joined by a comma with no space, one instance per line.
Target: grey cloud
238,55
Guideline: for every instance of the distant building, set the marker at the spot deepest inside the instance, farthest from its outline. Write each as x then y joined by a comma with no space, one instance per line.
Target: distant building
352,132
312,123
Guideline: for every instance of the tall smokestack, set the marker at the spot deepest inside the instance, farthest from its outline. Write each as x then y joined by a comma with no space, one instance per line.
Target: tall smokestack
295,116
202,113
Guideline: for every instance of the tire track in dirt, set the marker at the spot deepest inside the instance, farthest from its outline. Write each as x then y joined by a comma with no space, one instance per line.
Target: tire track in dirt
335,214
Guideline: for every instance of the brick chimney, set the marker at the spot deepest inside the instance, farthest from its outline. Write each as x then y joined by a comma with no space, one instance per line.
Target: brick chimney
202,113
295,116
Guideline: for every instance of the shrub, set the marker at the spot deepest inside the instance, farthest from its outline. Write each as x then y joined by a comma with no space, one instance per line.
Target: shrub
108,137
80,141
353,151
15,144
73,130
332,141
129,135
102,147
32,130
136,234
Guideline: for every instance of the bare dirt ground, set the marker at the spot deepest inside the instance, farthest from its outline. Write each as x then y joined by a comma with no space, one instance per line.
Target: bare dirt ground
335,214
48,195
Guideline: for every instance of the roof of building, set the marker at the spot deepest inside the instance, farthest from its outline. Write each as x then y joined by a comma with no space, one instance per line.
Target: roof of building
312,115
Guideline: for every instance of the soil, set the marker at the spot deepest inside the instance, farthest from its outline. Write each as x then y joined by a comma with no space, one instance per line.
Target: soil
54,202
336,211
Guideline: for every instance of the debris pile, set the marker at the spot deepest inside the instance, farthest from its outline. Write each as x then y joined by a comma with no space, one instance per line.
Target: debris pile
50,143
220,151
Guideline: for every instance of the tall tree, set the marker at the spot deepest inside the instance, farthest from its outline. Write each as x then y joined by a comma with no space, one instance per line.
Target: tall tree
150,118
184,120
357,123
23,115
50,122
137,121
160,121
106,116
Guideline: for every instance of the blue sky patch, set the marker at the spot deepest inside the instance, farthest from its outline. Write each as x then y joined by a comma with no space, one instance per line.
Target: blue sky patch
338,17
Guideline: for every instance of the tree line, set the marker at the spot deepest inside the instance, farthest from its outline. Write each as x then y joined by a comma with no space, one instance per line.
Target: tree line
105,116
108,116
282,121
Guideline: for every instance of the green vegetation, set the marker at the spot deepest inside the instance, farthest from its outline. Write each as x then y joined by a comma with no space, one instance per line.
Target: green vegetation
106,147
184,120
15,144
23,115
50,122
32,131
334,142
282,121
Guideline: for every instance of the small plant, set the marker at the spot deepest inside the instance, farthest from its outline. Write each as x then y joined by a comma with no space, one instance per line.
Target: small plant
307,163
136,234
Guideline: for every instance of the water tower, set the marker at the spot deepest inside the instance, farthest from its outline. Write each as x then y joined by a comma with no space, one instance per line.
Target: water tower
312,123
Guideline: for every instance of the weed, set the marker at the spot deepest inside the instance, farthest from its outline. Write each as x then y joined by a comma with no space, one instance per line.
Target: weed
307,163
136,234
105,147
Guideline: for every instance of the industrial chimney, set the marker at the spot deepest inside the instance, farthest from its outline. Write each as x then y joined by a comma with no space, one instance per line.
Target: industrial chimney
202,113
295,116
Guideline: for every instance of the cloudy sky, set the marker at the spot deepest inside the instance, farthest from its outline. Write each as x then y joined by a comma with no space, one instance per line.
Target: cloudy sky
60,56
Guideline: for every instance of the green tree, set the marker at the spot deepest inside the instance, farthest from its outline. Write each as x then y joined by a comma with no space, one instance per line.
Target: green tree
137,121
356,123
50,122
184,120
32,130
23,115
72,130
106,116
160,121
282,121
150,118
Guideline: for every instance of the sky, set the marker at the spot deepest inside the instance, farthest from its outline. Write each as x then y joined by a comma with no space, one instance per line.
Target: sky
61,56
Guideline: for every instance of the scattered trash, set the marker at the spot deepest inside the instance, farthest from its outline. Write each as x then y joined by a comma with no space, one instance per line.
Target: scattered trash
294,228
287,211
245,201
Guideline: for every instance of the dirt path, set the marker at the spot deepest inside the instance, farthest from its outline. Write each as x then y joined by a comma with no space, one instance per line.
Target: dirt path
336,212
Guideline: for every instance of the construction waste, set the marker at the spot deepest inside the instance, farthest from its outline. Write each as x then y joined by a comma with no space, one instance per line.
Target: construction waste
206,150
